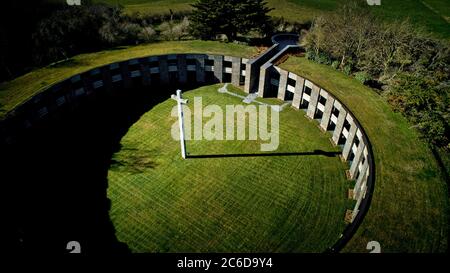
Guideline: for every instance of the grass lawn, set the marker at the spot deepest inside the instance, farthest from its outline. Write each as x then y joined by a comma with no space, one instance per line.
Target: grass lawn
20,89
434,15
161,203
409,210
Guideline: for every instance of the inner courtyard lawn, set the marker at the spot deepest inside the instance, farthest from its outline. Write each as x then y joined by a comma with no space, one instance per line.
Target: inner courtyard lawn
230,198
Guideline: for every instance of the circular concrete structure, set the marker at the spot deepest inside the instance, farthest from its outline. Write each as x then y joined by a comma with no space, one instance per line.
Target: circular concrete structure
199,69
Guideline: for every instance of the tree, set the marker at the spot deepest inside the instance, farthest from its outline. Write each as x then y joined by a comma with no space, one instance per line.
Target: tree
343,34
212,17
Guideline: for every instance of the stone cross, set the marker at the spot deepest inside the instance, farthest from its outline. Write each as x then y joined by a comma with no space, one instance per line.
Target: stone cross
180,102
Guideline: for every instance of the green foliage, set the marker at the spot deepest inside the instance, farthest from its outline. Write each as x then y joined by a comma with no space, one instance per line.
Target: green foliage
323,58
310,55
175,31
335,64
414,66
72,30
362,76
213,17
347,70
147,34
425,102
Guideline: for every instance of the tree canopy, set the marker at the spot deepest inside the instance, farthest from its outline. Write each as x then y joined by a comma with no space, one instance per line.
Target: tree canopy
212,17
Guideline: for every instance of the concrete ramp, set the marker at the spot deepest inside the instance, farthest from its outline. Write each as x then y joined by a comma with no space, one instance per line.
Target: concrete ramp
282,44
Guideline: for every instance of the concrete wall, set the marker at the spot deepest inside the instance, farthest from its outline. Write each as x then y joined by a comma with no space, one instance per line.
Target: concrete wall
332,116
322,106
145,71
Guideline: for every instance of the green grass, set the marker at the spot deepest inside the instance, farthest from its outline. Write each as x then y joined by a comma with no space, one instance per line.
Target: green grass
18,90
409,210
433,15
227,204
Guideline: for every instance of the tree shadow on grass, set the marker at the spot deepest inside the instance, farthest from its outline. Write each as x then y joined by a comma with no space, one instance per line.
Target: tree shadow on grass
133,161
313,153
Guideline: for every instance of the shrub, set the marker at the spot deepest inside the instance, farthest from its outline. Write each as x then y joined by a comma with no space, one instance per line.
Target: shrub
347,70
181,30
322,58
147,34
335,64
310,55
362,77
130,32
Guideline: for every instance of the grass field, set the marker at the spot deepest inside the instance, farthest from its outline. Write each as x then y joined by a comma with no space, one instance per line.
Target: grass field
18,90
409,210
433,15
161,203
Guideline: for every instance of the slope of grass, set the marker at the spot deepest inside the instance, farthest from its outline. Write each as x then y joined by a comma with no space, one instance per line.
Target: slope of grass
18,90
409,210
290,203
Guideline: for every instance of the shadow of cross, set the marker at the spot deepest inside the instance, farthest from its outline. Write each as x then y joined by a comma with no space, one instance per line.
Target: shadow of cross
315,152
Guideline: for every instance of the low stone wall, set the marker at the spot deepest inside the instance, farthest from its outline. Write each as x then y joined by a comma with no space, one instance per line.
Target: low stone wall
166,70
163,70
334,117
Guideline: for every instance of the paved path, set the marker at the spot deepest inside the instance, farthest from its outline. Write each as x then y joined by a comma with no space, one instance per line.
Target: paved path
252,98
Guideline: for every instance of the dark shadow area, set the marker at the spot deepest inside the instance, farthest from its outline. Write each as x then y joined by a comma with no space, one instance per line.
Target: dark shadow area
315,152
54,178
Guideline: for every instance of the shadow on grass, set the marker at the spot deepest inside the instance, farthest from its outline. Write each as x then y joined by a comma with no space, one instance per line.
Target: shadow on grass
135,161
315,152
56,174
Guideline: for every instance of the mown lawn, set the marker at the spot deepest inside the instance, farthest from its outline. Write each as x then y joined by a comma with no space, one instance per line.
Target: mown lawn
273,203
410,205
20,89
409,210
433,15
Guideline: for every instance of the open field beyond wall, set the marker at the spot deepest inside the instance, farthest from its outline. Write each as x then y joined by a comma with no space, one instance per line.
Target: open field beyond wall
434,15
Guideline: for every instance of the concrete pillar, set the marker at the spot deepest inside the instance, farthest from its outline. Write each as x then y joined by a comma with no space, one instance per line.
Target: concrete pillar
236,71
282,84
251,77
264,77
182,68
163,69
314,98
327,112
125,74
340,122
356,210
200,68
218,67
350,138
299,84
106,77
87,83
356,160
364,171
146,77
